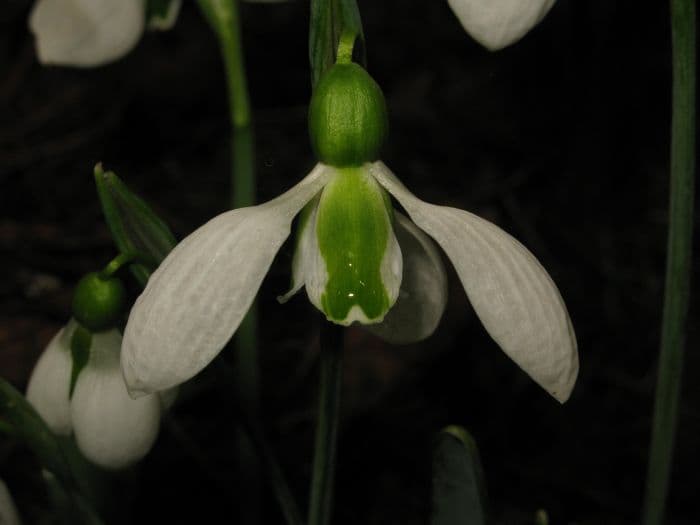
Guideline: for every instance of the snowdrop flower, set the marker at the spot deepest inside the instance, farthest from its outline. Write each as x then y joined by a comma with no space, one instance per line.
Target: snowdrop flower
359,260
88,33
111,429
8,511
496,24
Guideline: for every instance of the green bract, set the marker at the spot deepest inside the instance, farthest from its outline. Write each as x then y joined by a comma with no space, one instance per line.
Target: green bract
98,301
347,117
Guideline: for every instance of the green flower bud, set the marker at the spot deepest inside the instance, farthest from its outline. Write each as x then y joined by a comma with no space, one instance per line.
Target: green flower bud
98,301
347,117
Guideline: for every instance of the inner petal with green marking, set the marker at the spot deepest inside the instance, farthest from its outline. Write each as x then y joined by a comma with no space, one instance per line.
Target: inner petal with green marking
357,249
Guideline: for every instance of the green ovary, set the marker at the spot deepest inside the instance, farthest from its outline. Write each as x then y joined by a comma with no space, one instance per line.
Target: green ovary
353,229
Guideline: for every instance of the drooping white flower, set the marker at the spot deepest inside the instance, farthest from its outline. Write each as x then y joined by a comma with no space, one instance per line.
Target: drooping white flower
496,24
89,33
86,33
111,429
8,511
352,258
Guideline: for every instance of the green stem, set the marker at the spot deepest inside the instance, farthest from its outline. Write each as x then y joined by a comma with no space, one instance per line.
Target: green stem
223,16
123,259
322,482
224,19
678,262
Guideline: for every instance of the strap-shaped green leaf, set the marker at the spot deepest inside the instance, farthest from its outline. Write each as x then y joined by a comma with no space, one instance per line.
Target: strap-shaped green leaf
134,225
329,19
459,491
29,428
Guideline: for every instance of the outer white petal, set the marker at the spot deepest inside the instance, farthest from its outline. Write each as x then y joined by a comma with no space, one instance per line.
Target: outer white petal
423,293
498,23
196,299
112,429
49,382
512,294
8,511
86,33
158,23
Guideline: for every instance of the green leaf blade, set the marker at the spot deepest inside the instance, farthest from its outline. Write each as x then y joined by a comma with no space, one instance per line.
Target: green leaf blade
29,428
459,493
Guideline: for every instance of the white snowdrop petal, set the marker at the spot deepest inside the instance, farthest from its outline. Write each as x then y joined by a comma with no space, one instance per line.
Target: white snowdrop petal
196,299
8,511
512,294
86,33
111,429
49,382
423,294
496,24
353,266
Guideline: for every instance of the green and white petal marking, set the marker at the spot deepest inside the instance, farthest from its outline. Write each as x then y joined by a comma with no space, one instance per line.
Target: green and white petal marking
353,263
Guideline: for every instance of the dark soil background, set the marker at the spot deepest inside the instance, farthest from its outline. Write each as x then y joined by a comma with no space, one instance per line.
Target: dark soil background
561,139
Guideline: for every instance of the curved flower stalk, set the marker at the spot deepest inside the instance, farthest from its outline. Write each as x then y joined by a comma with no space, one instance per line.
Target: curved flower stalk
89,33
496,24
8,511
111,429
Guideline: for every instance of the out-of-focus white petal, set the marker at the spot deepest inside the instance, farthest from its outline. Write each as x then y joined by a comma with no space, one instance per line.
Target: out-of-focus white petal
163,23
423,293
196,299
512,294
8,511
86,33
112,429
49,382
498,23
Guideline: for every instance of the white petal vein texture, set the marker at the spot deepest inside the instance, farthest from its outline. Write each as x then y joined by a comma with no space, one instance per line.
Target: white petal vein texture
112,429
8,511
49,382
86,33
196,299
423,294
496,24
512,294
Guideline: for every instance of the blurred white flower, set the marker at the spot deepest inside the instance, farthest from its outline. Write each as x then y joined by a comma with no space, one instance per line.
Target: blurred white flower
88,33
496,24
8,511
357,264
111,429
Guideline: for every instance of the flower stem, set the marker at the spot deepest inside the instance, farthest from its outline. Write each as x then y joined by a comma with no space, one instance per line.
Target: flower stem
224,18
678,262
322,482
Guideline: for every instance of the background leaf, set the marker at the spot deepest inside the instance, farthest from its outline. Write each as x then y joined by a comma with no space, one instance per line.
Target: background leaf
459,492
29,428
134,225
